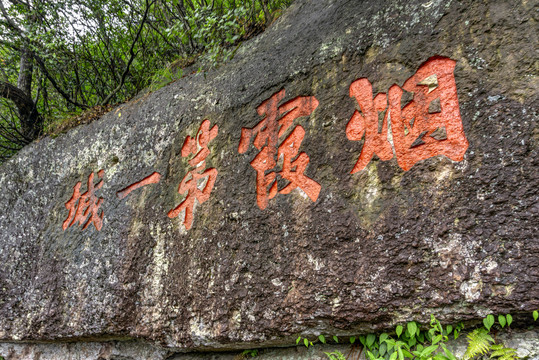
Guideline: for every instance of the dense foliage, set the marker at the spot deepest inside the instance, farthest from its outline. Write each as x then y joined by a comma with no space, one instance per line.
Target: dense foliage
58,58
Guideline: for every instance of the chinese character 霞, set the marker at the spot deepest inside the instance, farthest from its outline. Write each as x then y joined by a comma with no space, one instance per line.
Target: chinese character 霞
277,120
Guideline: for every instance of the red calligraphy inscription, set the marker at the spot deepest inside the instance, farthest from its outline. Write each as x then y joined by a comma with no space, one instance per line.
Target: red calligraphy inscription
198,147
367,124
421,130
151,179
84,208
429,125
277,120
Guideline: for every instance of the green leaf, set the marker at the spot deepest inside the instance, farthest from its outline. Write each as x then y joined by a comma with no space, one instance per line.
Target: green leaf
393,356
401,354
398,330
335,338
448,353
509,319
322,338
429,350
407,354
298,340
535,315
306,342
352,339
362,340
485,323
383,337
502,321
370,340
383,349
488,321
412,328
440,357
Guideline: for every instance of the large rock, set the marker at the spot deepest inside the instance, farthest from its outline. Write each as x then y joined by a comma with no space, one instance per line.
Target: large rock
455,234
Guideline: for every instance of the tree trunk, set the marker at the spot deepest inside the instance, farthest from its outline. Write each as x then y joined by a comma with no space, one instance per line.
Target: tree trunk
26,70
268,16
30,119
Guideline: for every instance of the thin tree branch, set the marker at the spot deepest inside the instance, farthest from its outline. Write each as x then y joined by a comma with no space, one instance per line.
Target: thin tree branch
9,20
132,54
45,72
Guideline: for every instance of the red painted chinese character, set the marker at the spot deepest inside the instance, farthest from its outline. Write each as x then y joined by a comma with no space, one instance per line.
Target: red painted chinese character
427,126
151,179
277,120
84,208
367,124
190,184
430,124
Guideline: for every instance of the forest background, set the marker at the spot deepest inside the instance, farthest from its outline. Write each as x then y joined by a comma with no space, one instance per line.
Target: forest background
63,63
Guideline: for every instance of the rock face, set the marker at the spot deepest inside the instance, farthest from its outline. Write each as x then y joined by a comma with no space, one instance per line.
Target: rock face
105,236
527,343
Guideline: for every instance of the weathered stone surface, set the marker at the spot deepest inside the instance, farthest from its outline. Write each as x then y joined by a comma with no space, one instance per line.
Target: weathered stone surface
377,247
112,350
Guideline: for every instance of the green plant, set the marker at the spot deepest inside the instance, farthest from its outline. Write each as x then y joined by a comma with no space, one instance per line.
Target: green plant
250,352
306,341
535,315
502,353
164,77
456,330
488,321
216,34
336,355
479,342
321,338
411,342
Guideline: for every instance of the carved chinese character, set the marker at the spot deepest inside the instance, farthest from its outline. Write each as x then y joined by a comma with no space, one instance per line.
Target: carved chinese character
367,124
84,208
430,124
277,120
197,177
154,178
